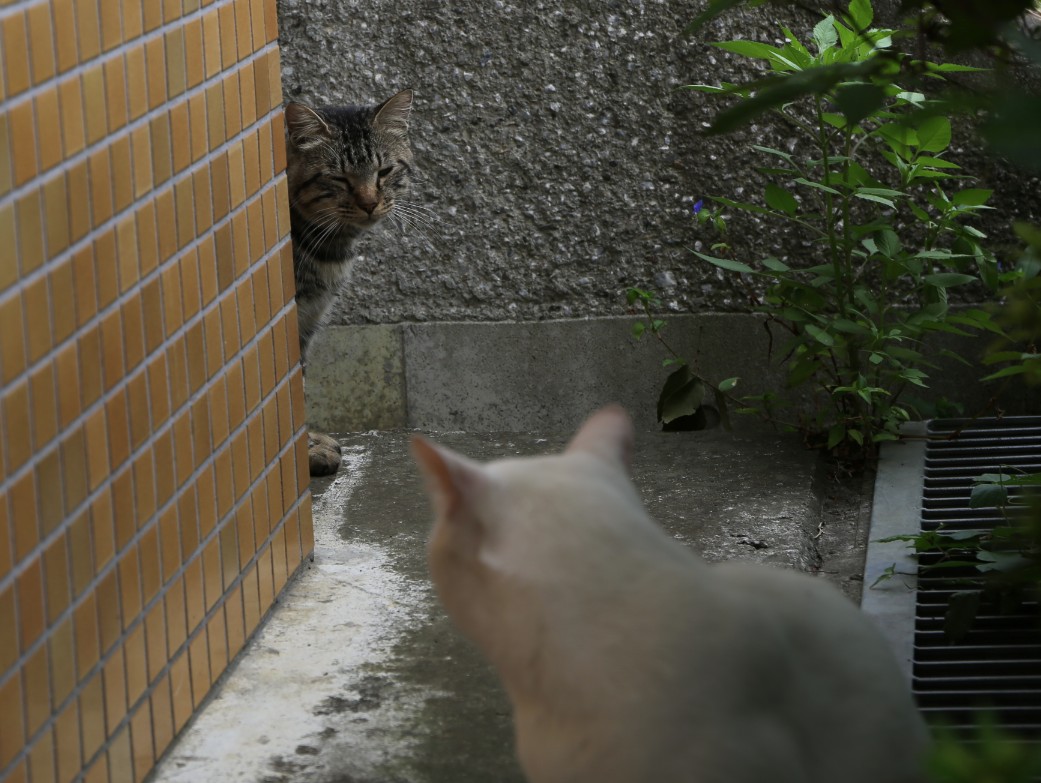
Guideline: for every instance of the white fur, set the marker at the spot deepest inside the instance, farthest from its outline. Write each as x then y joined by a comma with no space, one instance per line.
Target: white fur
630,660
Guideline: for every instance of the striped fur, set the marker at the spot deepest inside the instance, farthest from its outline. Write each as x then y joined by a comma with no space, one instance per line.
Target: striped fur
347,167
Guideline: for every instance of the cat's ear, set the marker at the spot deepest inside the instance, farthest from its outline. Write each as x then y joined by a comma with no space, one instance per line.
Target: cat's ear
608,434
306,127
449,476
392,115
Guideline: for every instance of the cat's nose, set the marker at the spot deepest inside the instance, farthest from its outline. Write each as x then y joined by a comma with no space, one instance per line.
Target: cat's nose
368,203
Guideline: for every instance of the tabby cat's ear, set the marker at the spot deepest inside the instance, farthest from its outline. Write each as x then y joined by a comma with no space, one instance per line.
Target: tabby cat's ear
449,476
306,127
608,434
392,115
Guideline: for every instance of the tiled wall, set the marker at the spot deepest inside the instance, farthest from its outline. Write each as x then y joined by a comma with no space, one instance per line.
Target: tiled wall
153,472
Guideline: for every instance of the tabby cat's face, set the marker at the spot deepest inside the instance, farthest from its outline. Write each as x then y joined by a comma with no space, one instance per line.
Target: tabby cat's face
348,164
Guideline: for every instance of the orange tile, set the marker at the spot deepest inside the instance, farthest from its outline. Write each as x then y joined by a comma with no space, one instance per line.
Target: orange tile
9,640
133,332
178,369
124,514
181,691
266,144
65,34
110,621
37,301
96,438
93,80
166,215
29,217
251,161
218,402
211,42
115,691
70,99
162,715
217,639
56,579
193,50
278,555
137,81
195,347
48,502
229,554
136,658
148,242
23,141
199,664
15,51
275,67
197,115
74,468
123,186
81,556
42,763
153,15
78,183
151,571
184,199
120,754
189,526
137,404
141,742
100,187
251,601
88,642
63,662
230,329
56,214
262,303
88,29
236,175
127,253
265,576
118,428
172,10
13,354
111,24
129,587
243,29
67,741
182,431
92,714
216,131
98,771
158,392
293,554
112,348
176,68
176,616
207,500
144,485
180,130
133,19
194,595
141,145
256,13
29,585
41,42
228,40
236,398
267,364
116,92
152,302
213,585
248,95
262,94
232,104
248,327
36,680
169,544
12,722
234,615
245,534
155,638
162,149
155,55
9,269
191,295
164,456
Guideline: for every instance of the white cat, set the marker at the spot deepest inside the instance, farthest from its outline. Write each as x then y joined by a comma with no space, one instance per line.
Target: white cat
628,659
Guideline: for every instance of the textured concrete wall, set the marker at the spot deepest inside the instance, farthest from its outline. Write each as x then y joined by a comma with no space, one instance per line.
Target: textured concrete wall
560,158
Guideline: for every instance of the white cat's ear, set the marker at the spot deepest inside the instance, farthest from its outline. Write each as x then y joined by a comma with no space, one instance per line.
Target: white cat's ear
608,434
306,127
449,476
393,115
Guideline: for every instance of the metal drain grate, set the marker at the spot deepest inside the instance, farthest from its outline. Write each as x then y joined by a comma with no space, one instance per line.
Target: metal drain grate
996,667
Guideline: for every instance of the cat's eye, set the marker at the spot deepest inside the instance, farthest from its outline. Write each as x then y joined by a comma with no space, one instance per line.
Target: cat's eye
383,173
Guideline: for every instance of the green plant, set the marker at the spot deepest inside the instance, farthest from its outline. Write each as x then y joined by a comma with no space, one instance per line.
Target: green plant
991,755
870,186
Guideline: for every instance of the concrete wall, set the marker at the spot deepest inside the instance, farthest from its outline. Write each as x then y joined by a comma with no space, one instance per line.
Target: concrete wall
561,159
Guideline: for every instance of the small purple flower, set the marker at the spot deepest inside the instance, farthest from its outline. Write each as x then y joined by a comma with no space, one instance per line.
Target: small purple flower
697,206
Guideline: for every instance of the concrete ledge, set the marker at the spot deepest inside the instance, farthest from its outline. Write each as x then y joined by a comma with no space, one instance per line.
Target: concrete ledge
548,375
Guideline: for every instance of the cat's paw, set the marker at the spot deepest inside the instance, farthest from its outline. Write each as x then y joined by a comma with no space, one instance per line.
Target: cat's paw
323,453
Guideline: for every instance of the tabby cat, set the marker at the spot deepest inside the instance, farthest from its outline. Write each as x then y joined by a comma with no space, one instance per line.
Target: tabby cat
347,168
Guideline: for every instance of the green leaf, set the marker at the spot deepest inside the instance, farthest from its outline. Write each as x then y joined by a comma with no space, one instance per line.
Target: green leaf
934,135
742,205
971,197
810,183
1016,369
889,243
835,436
787,156
638,329
774,265
936,163
948,279
681,395
754,49
880,199
780,199
824,34
857,101
860,14
820,335
728,384
988,496
724,263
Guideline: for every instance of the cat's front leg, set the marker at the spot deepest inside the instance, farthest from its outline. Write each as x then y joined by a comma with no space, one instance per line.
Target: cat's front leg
323,453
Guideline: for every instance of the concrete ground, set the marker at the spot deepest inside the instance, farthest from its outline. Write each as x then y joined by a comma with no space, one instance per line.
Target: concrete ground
358,677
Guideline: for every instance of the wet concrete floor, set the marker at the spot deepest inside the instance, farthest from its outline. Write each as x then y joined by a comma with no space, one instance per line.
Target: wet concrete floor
358,676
